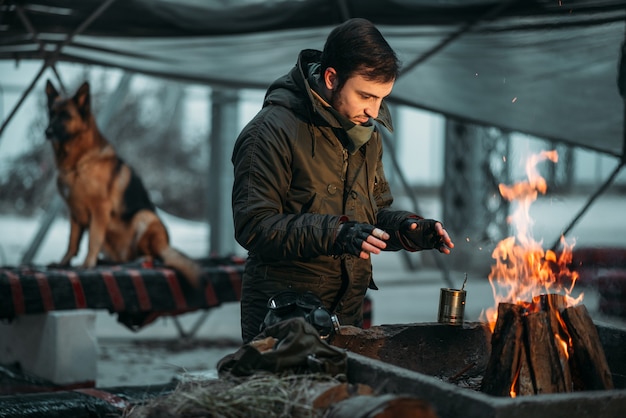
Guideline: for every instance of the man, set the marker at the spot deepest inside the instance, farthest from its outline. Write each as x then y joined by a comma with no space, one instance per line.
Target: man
310,197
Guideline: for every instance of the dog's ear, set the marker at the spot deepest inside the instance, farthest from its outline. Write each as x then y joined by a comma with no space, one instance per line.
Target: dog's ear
51,92
82,99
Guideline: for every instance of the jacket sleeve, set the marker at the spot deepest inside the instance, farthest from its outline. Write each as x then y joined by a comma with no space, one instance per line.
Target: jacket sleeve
262,174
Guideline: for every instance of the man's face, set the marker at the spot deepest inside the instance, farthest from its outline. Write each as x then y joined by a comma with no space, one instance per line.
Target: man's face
359,98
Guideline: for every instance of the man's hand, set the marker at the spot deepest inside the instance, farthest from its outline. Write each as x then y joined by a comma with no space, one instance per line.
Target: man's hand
426,234
359,239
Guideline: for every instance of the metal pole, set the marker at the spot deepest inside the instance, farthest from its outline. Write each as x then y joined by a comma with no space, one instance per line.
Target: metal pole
49,61
224,118
409,192
589,202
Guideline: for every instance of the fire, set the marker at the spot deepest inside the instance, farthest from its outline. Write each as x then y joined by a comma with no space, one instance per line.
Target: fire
563,345
564,339
523,269
513,391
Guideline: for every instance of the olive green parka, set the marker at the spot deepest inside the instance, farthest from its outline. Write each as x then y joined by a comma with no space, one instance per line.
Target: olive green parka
294,183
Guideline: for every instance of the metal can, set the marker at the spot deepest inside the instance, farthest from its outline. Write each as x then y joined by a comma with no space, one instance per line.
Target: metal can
451,306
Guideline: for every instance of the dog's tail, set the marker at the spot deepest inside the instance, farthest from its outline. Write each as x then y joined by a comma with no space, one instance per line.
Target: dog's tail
185,265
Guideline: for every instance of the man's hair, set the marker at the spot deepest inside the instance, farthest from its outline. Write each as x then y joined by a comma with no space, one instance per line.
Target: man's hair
357,47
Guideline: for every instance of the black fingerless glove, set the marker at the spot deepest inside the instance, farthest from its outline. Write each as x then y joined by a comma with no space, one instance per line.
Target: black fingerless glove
424,237
351,237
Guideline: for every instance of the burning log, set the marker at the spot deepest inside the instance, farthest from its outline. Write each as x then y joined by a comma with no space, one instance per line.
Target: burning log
547,370
549,341
588,359
544,347
506,351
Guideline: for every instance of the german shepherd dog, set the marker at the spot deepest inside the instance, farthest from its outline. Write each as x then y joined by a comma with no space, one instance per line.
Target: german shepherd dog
104,195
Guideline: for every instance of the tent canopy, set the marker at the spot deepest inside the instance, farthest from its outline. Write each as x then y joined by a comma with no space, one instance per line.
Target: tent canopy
547,68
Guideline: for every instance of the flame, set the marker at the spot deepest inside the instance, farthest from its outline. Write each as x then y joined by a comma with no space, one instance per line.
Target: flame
565,341
513,391
563,346
523,269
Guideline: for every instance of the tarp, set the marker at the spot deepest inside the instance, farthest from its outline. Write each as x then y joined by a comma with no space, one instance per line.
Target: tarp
547,68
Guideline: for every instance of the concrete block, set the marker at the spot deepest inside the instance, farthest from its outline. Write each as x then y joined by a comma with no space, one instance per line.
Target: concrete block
58,346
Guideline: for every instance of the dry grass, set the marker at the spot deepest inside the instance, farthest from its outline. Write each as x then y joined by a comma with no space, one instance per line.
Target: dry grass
261,395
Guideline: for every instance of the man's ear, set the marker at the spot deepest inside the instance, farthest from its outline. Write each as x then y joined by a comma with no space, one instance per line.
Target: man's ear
330,78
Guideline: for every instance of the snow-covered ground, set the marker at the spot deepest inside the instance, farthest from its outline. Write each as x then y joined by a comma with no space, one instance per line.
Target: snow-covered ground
17,233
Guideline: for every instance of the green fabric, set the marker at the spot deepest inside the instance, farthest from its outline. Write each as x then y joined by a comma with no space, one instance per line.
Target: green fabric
357,134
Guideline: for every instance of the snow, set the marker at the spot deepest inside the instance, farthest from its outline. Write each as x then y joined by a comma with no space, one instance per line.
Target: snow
16,234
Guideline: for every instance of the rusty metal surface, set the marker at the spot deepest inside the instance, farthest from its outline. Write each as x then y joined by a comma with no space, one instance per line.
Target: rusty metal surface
434,349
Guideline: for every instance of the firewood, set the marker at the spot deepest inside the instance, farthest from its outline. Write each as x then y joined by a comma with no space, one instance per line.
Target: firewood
545,348
588,355
544,361
506,341
525,385
549,301
554,304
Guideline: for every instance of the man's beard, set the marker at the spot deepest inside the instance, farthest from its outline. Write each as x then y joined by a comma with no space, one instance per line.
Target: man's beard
335,102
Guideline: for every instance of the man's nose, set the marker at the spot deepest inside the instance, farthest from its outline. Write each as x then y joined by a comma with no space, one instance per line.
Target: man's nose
373,109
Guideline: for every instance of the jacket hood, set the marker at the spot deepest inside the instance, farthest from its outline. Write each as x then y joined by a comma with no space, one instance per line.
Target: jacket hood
293,91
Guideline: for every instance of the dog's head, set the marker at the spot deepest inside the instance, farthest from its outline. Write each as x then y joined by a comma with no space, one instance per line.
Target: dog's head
67,115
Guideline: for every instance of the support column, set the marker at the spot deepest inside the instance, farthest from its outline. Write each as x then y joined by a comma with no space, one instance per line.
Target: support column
474,211
224,131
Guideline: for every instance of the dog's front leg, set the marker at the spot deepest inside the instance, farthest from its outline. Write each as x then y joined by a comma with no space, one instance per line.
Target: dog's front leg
76,234
97,231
